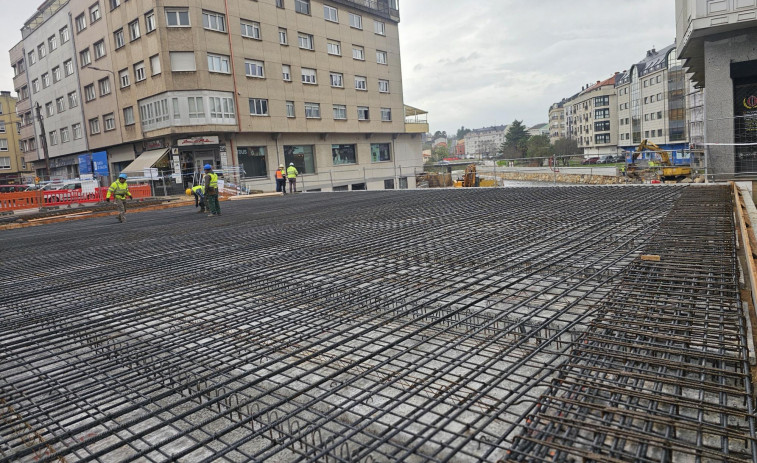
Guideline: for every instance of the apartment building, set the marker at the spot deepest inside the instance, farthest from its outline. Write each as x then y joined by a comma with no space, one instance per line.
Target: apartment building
13,168
243,86
716,43
652,103
484,142
557,126
593,118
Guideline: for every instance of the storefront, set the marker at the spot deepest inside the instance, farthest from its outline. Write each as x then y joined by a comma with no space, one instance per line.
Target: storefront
191,154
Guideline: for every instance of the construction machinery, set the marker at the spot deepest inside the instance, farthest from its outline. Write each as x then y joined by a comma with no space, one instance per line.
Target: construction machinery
666,171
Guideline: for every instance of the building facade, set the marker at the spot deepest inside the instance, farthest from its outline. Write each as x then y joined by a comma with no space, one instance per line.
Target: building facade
243,86
557,126
593,118
485,142
716,44
652,104
13,168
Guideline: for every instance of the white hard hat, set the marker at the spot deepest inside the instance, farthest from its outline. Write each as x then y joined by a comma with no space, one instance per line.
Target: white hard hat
291,163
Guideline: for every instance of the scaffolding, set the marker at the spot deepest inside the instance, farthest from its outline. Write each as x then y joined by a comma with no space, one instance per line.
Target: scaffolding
438,325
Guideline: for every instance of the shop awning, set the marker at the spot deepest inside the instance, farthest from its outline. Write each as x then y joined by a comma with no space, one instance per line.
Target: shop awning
145,161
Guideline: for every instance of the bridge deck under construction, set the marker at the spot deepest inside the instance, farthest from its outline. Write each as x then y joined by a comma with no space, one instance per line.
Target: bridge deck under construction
450,325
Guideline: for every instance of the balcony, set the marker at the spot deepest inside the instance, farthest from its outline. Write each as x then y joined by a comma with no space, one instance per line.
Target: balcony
416,120
388,9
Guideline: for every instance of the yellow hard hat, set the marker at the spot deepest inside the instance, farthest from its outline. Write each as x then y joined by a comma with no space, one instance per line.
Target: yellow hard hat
189,191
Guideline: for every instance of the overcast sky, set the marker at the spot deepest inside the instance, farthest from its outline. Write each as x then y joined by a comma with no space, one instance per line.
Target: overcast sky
485,62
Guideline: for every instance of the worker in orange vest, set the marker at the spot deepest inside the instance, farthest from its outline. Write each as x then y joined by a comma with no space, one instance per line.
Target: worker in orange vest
281,179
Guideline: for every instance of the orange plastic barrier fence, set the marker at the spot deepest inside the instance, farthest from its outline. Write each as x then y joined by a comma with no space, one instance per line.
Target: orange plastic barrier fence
36,199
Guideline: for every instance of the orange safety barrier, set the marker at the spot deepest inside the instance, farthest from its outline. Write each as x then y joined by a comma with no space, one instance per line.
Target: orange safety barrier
36,199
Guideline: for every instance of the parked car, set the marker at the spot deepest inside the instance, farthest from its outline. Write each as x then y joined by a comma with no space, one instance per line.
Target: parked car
592,160
11,188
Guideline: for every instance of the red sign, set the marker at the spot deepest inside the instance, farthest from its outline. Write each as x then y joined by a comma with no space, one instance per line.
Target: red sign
750,102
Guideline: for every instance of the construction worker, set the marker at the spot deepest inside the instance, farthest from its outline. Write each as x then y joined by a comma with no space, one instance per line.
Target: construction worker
198,191
292,176
281,180
120,191
211,191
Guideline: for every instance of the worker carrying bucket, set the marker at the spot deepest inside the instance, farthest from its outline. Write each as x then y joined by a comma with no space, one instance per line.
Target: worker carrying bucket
198,192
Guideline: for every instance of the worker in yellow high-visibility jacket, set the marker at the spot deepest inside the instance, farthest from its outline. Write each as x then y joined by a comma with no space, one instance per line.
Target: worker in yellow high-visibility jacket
119,190
211,191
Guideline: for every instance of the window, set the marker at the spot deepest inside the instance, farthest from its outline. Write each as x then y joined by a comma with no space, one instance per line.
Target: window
254,68
118,38
279,3
313,110
64,35
155,65
45,80
305,41
53,137
251,29
214,21
60,104
41,50
221,108
283,36
356,21
361,83
65,135
363,113
343,154
601,114
94,126
337,79
218,63
104,85
302,6
2,126
73,100
4,146
134,30
99,48
330,14
52,43
196,108
68,67
601,101
258,107
358,52
114,4
35,85
89,92
139,72
302,157
659,132
381,152
81,22
333,47
84,57
286,72
123,77
290,108
176,112
94,13
602,138
149,22
129,115
109,121
381,57
389,184
177,18
383,86
183,61
386,114
602,126
379,27
309,76
32,58
5,161
340,112
659,114
154,114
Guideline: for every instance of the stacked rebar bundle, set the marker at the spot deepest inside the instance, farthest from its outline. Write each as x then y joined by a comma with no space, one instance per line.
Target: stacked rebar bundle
447,325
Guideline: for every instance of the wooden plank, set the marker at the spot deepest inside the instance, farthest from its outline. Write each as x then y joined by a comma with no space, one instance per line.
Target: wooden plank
650,257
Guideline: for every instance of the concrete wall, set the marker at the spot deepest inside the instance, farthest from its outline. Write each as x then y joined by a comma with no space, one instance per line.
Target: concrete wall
720,51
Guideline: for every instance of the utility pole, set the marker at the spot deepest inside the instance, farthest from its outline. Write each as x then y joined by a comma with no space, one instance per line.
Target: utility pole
44,141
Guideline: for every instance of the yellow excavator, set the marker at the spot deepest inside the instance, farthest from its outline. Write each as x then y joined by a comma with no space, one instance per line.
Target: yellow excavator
667,172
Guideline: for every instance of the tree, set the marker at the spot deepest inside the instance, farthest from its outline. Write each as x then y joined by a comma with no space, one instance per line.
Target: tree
439,134
564,147
462,132
516,139
538,147
439,153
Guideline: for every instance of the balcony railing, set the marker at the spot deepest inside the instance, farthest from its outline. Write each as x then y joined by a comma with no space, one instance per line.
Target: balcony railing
386,8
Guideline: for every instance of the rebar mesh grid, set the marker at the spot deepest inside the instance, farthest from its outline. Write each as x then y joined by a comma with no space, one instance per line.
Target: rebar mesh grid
377,326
